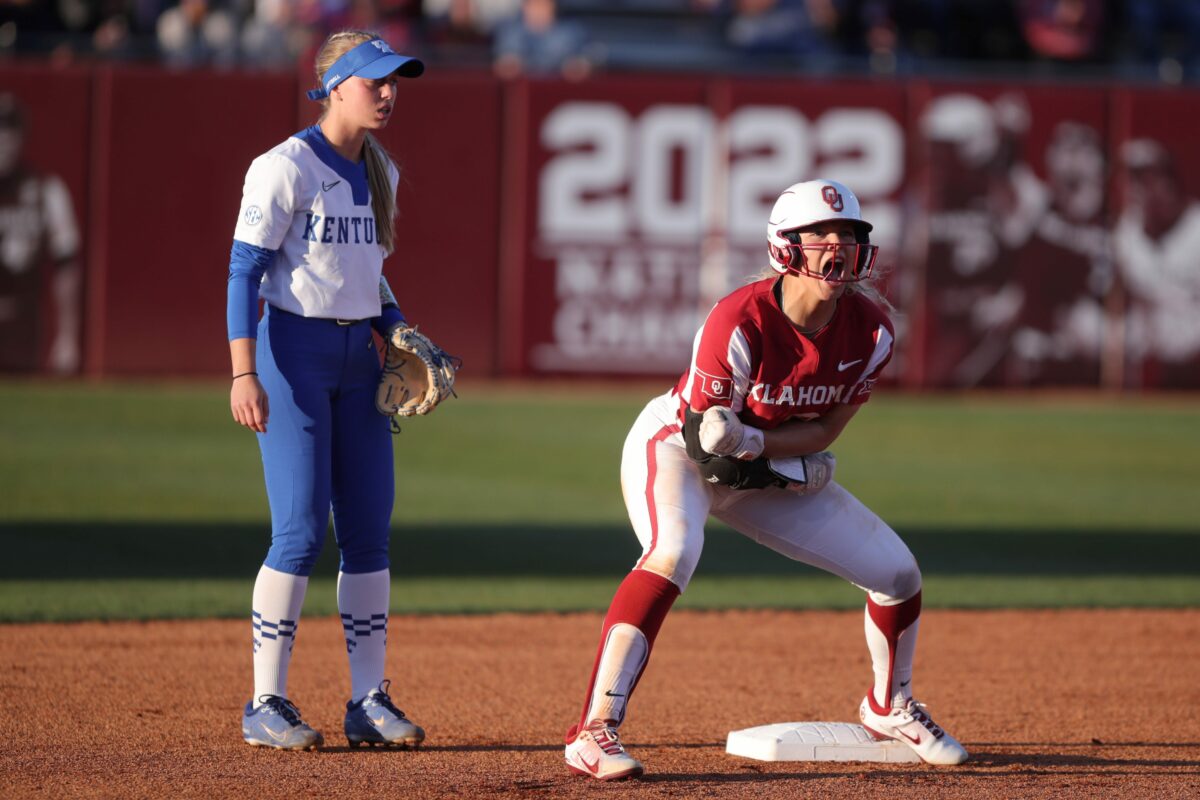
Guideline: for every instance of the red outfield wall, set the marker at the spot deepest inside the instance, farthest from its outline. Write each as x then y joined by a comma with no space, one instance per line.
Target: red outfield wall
171,152
1033,235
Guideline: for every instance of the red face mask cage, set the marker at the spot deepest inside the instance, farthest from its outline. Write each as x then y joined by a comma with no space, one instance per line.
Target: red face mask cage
857,260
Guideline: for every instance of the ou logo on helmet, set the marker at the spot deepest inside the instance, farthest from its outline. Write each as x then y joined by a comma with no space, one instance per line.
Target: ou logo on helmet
832,198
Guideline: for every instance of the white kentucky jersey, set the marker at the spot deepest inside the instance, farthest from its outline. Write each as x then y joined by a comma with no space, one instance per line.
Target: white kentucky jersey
312,206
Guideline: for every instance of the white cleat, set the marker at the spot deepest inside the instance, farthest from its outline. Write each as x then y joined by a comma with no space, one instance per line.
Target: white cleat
276,723
912,725
597,751
376,720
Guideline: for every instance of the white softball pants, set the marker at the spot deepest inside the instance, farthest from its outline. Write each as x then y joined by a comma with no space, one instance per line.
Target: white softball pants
669,502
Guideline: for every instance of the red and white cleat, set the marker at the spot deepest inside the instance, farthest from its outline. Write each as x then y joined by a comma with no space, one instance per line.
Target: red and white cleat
597,751
912,725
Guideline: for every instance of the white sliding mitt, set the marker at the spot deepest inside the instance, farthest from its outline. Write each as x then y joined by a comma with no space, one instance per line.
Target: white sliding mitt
723,434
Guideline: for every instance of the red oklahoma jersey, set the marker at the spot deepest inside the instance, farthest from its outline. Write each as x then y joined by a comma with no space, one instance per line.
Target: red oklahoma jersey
749,356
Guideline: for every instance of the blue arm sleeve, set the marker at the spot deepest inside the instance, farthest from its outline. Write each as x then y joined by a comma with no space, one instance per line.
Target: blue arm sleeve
389,318
247,265
389,313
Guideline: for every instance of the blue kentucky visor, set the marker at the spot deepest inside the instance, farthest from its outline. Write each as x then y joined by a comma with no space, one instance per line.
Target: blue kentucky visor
372,59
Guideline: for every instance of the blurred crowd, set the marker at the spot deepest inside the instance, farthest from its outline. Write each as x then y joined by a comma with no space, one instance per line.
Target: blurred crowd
1157,40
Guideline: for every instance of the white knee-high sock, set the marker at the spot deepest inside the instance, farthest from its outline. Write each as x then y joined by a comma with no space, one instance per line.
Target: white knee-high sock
624,656
363,602
275,614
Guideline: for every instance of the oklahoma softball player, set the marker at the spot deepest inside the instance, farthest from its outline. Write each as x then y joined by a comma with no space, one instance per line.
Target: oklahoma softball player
778,369
315,224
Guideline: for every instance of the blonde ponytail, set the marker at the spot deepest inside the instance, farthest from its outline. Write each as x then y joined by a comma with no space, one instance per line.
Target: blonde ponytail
870,290
383,198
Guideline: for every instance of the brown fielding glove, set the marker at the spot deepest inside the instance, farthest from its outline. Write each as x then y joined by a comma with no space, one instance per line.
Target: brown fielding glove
417,374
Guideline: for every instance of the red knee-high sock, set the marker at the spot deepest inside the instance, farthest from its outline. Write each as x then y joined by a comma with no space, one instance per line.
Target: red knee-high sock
891,621
642,600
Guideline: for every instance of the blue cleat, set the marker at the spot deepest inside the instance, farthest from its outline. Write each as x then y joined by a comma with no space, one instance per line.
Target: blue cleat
276,723
375,720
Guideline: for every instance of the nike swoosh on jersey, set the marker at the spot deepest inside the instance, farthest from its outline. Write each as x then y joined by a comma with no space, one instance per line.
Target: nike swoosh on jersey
845,365
327,186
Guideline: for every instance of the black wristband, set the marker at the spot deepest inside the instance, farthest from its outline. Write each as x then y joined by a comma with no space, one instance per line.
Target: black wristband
244,374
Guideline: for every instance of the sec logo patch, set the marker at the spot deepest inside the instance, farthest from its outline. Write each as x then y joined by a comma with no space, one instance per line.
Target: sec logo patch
253,215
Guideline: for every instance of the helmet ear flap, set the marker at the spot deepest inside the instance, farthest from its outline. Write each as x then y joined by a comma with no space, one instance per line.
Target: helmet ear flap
782,254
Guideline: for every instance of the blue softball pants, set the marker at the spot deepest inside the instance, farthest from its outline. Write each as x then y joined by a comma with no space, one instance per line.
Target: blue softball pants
326,445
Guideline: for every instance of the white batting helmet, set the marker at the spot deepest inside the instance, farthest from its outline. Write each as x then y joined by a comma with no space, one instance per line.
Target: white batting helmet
808,203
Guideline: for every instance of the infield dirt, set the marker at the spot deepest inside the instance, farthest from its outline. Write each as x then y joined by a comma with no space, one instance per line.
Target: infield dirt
1089,704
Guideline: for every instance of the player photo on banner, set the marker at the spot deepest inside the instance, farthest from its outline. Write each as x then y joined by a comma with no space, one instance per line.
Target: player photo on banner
1157,244
40,269
1011,234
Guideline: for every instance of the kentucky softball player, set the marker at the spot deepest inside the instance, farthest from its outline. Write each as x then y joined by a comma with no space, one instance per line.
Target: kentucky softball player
315,224
778,370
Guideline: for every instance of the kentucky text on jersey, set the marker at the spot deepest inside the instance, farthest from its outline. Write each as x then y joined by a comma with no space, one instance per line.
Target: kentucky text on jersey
339,230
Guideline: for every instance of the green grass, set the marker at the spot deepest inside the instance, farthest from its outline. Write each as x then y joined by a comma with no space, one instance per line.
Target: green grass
140,501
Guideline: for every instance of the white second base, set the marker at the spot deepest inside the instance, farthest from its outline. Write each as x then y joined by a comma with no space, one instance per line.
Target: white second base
815,741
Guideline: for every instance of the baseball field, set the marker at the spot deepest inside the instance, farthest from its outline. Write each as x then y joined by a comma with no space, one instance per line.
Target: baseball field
1058,535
